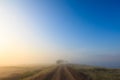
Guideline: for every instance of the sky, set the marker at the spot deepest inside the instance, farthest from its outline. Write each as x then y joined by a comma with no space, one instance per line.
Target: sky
43,31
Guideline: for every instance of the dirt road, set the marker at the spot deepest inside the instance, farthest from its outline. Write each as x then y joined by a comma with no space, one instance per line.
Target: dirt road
61,72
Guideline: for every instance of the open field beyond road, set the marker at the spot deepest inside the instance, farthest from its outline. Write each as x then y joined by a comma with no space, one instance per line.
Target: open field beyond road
60,72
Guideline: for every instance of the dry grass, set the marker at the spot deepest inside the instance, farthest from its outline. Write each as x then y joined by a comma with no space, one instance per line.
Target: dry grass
97,73
29,73
41,74
18,73
8,71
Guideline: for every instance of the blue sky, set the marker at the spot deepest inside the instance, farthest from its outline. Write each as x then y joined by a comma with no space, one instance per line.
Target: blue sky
84,31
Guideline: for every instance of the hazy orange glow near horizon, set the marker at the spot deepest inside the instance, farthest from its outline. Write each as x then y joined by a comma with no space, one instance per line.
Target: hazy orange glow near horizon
14,48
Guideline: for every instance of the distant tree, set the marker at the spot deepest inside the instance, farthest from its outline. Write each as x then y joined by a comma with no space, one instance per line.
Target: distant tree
60,61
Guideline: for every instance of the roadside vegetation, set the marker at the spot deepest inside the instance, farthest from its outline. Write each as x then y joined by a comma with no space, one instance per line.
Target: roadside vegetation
20,73
35,73
98,73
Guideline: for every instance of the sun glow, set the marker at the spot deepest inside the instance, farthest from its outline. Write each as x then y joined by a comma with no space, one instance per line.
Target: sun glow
13,49
17,39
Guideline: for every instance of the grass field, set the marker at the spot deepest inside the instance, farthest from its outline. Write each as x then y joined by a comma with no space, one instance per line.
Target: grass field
32,72
98,73
19,72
